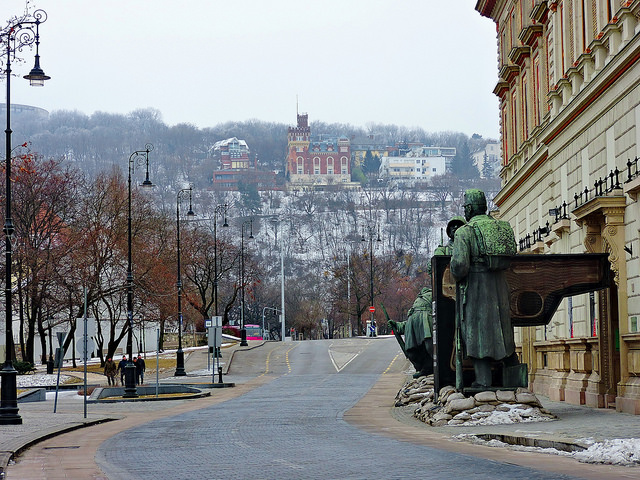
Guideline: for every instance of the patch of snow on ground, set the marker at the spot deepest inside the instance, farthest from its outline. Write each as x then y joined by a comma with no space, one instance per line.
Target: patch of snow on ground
619,451
516,414
40,380
624,451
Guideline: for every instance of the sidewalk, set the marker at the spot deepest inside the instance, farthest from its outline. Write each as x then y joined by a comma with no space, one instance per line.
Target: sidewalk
39,422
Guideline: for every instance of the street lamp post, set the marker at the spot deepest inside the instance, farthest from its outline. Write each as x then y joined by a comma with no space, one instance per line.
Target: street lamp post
283,332
23,33
243,330
219,210
140,157
371,231
180,372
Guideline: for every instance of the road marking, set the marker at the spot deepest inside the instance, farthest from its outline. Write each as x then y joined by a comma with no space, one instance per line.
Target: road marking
350,356
266,367
286,356
389,367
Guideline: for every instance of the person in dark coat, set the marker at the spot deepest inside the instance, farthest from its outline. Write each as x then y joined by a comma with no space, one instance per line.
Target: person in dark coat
140,368
110,369
121,366
481,252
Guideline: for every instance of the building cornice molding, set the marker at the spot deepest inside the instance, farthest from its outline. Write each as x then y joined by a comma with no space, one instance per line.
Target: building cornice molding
530,167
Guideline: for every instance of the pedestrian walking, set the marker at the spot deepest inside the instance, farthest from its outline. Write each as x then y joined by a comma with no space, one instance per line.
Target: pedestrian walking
140,368
110,369
121,366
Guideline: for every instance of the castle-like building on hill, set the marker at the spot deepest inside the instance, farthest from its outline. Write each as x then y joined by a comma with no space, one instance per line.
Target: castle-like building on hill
315,162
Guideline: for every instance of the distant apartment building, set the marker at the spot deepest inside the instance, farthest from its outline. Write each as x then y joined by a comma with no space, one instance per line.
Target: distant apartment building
489,154
418,164
232,154
314,162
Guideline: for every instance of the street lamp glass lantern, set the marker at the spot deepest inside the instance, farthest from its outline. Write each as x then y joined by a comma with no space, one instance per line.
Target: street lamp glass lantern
36,76
147,183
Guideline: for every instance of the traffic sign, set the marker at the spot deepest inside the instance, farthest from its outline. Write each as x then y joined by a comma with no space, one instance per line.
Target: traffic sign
91,346
372,309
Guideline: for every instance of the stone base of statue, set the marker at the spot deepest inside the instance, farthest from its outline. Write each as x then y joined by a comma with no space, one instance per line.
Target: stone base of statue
454,408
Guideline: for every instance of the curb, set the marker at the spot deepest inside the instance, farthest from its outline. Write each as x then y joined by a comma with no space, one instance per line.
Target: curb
243,349
22,444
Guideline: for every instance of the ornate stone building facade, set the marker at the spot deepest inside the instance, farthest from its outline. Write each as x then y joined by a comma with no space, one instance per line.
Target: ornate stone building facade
316,162
569,90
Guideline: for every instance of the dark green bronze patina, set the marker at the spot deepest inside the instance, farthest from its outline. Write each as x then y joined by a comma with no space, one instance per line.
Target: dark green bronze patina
481,252
417,330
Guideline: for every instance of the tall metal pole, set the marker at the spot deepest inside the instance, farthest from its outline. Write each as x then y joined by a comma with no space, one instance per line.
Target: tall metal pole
373,321
282,288
19,35
243,330
130,369
180,371
218,209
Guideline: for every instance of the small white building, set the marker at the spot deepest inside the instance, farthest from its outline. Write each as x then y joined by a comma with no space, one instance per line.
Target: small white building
418,165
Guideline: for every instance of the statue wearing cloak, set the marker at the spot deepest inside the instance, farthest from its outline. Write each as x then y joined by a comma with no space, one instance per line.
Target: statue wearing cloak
481,252
417,331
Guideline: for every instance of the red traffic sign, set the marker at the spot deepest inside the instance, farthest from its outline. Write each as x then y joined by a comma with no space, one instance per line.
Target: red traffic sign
372,309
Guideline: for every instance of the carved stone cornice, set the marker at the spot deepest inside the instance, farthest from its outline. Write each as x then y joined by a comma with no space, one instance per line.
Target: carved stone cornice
519,54
530,34
501,89
539,12
509,72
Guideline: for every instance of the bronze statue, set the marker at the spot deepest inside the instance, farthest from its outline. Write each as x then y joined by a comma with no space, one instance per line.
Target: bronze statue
417,330
481,252
454,224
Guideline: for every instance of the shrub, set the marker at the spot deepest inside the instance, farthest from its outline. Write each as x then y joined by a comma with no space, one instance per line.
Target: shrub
24,368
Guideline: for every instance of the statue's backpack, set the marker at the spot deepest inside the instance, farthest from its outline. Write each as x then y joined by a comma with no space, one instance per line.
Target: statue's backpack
496,242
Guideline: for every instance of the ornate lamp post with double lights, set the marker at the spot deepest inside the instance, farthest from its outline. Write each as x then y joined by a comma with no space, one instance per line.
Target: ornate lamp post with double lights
180,372
243,330
24,33
142,158
219,210
371,231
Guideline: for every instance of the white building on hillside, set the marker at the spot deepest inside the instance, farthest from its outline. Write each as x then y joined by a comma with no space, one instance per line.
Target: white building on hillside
420,164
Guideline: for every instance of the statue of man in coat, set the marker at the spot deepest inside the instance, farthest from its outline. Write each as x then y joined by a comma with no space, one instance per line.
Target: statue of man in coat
481,252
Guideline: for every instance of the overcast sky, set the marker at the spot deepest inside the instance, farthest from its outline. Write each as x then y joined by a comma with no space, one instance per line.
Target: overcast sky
425,63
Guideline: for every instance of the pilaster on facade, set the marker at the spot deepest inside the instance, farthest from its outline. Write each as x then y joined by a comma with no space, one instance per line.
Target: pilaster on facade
586,65
566,90
575,78
628,21
612,32
605,217
555,101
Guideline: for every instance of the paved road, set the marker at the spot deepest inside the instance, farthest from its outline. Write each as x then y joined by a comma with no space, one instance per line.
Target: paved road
291,427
